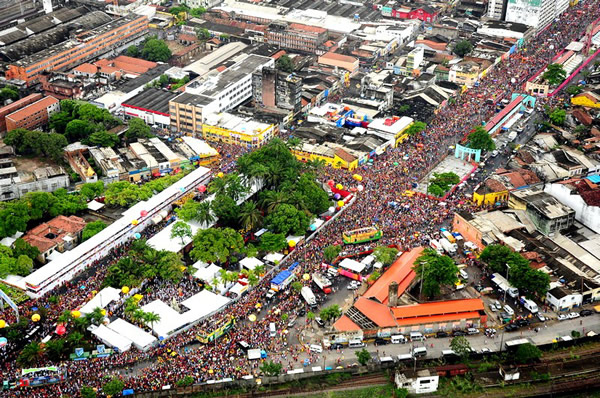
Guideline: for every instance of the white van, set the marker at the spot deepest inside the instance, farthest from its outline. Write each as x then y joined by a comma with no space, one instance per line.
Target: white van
367,261
398,339
404,357
448,353
378,266
417,336
530,305
316,348
509,310
419,352
356,343
384,360
463,274
272,329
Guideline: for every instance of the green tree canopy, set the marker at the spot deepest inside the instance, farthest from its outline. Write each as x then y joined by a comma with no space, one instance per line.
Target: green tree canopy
385,255
286,218
217,245
78,130
181,230
102,139
331,313
270,368
202,34
285,63
442,182
363,356
226,210
91,229
305,193
463,48
137,129
554,74
527,353
114,387
557,116
460,345
133,51
270,242
480,139
9,92
156,50
273,162
250,216
331,252
435,270
495,256
22,248
416,128
92,190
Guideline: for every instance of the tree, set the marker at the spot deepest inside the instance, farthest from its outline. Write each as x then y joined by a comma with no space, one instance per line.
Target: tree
150,318
22,248
527,353
573,90
216,245
416,128
87,392
297,286
250,216
557,116
137,129
331,313
78,130
103,139
202,34
331,252
495,257
306,194
181,230
385,255
480,139
441,183
310,315
197,12
31,354
554,74
270,200
435,270
185,381
270,368
9,93
374,276
226,210
363,356
156,50
92,190
133,51
55,349
463,48
460,345
113,387
270,242
286,218
22,266
14,217
285,63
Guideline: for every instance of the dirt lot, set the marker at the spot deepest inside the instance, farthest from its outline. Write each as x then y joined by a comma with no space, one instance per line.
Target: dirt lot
30,164
174,46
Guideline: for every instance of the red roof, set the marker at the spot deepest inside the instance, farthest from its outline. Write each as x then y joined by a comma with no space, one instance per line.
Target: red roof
438,308
307,28
438,318
379,314
400,271
502,114
32,108
337,57
345,324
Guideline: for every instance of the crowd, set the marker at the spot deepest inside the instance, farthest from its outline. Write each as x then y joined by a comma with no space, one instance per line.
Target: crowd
410,221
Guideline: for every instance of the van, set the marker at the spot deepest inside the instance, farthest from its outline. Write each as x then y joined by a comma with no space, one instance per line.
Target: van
272,329
419,352
316,348
398,339
386,360
356,343
378,266
244,345
417,336
448,353
332,272
367,261
463,274
404,357
509,310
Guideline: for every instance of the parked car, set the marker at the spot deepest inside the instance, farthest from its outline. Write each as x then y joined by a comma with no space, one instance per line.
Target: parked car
541,317
572,315
354,285
380,341
586,312
302,311
336,346
511,327
458,333
522,322
319,321
493,307
472,331
562,317
441,334
485,350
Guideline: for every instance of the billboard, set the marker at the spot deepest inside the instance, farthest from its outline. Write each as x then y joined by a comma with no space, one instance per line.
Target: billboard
524,11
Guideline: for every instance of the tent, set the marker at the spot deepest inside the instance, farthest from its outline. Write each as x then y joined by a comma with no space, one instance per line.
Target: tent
95,205
250,263
101,300
273,257
352,265
112,338
208,274
141,339
238,289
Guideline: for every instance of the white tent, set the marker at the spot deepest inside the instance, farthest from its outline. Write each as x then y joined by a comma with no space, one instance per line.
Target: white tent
250,263
209,273
163,240
254,353
169,318
95,205
102,299
141,339
274,257
352,265
297,239
200,264
238,289
112,338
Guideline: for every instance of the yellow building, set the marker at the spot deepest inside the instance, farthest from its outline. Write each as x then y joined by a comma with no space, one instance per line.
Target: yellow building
486,197
231,129
334,157
587,99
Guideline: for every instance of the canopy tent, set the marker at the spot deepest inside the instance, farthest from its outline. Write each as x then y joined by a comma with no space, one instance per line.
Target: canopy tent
200,264
9,240
238,289
273,258
112,338
250,263
95,205
209,273
296,239
352,265
101,300
164,241
141,339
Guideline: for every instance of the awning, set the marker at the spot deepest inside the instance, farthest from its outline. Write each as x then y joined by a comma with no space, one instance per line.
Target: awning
95,205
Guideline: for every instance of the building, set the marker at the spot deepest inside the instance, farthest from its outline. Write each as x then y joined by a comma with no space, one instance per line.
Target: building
295,36
502,29
392,129
232,129
14,106
413,63
59,234
66,86
339,61
423,13
33,116
421,382
546,212
464,73
536,13
74,154
14,184
497,9
335,157
488,227
151,105
274,88
84,46
581,195
560,299
110,163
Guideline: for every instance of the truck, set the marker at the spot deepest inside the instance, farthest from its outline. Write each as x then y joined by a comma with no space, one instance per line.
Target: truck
309,296
512,135
529,304
436,245
447,235
282,280
504,285
323,283
448,247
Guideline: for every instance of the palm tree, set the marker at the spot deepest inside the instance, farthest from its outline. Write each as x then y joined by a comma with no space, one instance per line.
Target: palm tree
137,316
315,165
272,199
130,306
294,143
252,278
236,189
55,349
150,318
65,317
259,269
205,215
74,339
250,216
95,316
218,185
31,354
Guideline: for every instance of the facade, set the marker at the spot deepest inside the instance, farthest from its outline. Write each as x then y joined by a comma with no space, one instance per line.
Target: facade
535,13
295,36
74,155
581,195
423,382
497,9
425,13
110,163
273,88
547,213
34,115
186,112
13,184
83,47
464,73
151,105
335,157
15,106
340,61
560,299
232,129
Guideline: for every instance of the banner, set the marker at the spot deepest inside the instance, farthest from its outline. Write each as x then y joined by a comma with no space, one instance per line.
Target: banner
33,370
9,301
215,334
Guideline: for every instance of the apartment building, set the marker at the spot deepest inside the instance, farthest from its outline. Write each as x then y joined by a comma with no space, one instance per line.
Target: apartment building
232,129
83,47
15,106
295,36
34,115
273,88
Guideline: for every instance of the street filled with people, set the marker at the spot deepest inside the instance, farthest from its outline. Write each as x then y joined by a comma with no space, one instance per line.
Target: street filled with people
406,219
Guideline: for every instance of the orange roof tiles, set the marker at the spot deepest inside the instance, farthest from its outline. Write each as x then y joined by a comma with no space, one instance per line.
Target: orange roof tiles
136,61
43,244
400,271
307,28
32,108
438,318
337,57
86,68
438,308
345,324
378,313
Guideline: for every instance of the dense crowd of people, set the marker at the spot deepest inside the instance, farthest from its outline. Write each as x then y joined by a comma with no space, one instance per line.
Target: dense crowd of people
406,221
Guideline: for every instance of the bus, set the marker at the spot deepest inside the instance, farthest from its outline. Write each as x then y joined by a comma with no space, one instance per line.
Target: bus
513,344
361,235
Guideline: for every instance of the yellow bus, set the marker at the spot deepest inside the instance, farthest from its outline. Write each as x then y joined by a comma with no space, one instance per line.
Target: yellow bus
361,235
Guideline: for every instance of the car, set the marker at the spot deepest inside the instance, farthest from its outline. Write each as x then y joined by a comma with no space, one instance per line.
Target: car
380,341
572,315
485,350
493,308
586,312
292,322
511,327
562,317
352,287
319,321
541,317
441,334
497,304
302,311
522,322
458,333
495,153
337,346
472,331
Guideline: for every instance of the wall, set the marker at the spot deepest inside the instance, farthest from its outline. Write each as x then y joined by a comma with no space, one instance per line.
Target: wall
587,215
469,232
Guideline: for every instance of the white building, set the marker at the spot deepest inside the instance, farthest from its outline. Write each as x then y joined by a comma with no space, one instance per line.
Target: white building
585,211
495,9
536,13
421,383
560,299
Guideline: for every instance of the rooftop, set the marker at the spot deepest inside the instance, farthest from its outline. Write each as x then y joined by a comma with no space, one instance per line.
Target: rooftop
152,99
30,109
400,271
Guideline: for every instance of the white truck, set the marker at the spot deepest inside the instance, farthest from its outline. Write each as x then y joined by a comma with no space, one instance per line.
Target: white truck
322,282
436,246
450,248
309,296
504,285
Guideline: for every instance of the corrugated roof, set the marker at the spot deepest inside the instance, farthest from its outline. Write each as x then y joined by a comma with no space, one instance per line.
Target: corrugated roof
400,271
378,313
438,308
345,324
